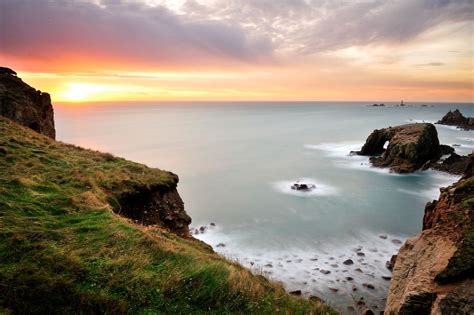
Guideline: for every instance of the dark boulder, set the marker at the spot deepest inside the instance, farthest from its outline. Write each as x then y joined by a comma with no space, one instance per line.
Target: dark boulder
456,118
454,164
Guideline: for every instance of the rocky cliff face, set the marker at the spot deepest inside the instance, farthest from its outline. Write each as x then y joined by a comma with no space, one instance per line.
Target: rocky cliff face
158,205
434,271
409,148
25,105
456,118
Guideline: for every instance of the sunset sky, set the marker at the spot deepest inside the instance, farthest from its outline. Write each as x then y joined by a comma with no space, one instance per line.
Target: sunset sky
118,50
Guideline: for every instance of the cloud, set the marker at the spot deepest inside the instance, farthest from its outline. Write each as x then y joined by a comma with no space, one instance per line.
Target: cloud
431,64
200,33
312,26
122,31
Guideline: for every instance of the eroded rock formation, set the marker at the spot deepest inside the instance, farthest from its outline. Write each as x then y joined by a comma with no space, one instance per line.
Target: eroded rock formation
25,105
456,118
409,147
434,271
158,205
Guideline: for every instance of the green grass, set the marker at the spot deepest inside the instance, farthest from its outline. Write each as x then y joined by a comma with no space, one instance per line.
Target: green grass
63,250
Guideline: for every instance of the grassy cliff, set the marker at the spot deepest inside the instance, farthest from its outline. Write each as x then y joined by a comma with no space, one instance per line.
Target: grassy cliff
64,250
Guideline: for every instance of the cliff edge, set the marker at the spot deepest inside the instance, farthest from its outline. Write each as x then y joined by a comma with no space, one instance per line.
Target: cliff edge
25,105
434,271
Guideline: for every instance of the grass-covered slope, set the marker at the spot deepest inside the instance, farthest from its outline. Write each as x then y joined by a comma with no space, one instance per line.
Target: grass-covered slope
63,250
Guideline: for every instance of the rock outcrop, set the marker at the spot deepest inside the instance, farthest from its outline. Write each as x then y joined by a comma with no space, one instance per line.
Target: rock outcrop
25,105
158,205
434,271
456,118
409,147
454,164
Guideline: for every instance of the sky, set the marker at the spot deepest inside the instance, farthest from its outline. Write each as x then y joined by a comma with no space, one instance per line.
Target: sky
234,50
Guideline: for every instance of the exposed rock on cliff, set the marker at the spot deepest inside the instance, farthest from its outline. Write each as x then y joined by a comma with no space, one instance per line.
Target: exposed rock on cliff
456,118
157,205
409,147
434,271
25,105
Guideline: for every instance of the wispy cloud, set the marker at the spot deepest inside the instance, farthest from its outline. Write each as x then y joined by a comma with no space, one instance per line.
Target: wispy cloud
431,64
211,32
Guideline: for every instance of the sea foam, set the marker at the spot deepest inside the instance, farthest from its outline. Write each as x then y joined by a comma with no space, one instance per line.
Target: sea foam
321,189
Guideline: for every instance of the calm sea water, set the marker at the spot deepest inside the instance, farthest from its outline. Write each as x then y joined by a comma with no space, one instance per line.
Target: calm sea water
236,162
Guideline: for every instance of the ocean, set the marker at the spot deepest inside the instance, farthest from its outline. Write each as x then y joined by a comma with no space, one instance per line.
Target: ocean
237,161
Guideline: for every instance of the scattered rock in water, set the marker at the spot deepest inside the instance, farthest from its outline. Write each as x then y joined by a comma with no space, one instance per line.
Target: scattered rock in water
396,242
348,262
334,265
361,254
391,263
368,286
383,236
367,312
220,245
455,145
196,231
296,292
325,272
334,289
331,258
358,270
269,265
354,288
314,259
213,224
202,229
349,278
288,261
388,278
360,302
